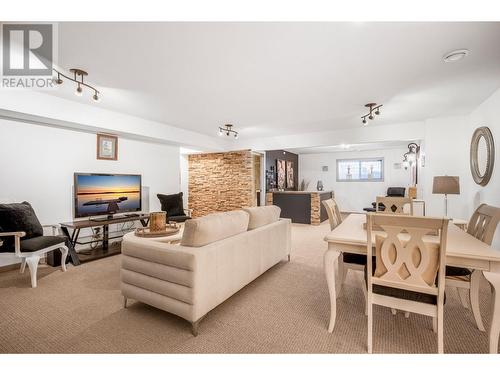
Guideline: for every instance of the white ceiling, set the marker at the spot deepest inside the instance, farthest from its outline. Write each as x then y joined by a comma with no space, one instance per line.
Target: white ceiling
272,79
352,147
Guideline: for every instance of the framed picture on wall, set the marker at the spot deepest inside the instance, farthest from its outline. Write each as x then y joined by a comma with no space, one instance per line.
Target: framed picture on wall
107,147
281,173
289,175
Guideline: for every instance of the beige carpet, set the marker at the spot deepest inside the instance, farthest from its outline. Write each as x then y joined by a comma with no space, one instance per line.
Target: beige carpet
284,311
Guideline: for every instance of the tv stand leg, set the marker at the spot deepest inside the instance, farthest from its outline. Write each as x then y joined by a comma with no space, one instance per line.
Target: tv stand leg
105,237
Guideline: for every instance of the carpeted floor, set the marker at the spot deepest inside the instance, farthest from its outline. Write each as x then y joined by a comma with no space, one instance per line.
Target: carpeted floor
284,311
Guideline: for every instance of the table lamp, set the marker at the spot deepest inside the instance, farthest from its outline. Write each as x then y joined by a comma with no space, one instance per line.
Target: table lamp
446,185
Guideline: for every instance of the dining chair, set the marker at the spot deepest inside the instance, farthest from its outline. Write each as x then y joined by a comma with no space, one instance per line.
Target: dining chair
393,205
482,225
409,273
347,261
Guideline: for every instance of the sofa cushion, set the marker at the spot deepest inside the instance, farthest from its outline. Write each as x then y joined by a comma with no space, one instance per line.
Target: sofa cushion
172,204
18,217
214,227
260,216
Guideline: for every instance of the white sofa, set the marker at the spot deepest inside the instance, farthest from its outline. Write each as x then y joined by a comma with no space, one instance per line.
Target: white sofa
218,255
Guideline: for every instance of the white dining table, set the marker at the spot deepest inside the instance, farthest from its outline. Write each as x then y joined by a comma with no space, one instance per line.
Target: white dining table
463,250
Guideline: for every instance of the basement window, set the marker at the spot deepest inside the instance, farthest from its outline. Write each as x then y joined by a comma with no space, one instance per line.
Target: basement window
360,170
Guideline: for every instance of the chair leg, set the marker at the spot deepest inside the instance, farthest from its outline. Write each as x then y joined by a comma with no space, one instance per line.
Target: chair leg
33,266
475,281
23,265
463,298
440,334
64,254
365,294
434,325
124,302
370,327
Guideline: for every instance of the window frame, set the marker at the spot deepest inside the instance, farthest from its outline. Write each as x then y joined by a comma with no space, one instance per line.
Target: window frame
360,160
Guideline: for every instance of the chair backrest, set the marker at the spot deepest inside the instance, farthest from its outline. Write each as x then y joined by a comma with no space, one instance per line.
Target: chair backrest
393,205
333,211
483,223
404,258
396,191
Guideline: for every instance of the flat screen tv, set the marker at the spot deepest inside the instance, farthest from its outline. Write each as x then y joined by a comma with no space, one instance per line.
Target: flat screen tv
106,194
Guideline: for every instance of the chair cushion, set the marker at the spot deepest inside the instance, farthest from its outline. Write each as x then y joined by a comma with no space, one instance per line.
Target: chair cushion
179,219
172,204
457,271
260,216
16,217
42,242
354,258
214,227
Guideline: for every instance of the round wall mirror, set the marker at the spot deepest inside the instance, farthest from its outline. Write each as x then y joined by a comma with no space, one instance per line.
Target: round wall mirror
482,155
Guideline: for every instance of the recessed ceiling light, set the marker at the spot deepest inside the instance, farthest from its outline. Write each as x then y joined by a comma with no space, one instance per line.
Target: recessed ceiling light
456,55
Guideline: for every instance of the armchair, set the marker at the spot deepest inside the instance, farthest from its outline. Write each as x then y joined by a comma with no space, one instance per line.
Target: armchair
173,205
21,238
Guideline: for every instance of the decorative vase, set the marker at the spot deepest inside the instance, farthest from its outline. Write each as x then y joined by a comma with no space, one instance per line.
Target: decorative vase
319,185
157,221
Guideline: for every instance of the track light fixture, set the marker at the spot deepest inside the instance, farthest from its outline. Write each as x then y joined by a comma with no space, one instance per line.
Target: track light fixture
374,109
228,131
78,75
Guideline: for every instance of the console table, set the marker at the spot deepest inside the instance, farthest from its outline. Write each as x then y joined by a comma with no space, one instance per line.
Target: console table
72,231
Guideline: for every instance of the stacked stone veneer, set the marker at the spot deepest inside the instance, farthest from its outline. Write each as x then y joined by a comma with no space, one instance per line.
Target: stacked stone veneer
220,182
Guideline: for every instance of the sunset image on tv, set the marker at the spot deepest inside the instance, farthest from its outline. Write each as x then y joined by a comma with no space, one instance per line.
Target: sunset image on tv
106,194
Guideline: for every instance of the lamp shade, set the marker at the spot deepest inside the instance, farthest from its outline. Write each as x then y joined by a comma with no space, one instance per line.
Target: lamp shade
446,185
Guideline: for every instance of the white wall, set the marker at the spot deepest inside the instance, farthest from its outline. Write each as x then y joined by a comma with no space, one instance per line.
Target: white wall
353,196
37,165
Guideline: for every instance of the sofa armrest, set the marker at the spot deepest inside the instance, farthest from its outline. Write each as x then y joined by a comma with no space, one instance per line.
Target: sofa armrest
17,240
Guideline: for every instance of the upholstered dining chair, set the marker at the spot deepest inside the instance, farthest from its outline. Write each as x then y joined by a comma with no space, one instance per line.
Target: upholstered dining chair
394,205
482,225
348,261
408,274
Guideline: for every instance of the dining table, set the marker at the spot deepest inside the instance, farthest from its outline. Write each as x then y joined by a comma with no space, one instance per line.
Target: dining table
463,250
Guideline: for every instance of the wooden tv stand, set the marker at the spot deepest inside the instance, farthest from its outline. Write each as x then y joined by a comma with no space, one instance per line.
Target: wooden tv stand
104,250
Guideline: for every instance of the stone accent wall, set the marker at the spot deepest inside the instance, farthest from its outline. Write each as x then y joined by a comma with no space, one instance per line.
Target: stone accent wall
220,182
315,209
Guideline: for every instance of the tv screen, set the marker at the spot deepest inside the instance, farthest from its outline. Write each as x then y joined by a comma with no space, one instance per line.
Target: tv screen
106,194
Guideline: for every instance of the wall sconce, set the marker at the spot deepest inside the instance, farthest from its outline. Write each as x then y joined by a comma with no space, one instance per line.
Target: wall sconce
410,157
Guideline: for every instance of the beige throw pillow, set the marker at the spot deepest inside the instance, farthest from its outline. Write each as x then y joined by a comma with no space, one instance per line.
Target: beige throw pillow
214,227
260,216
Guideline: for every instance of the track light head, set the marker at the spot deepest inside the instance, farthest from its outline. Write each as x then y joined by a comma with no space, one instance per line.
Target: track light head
370,117
79,90
96,97
364,120
377,111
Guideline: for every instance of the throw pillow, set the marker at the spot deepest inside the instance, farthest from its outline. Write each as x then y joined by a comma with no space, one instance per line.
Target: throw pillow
17,217
172,204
